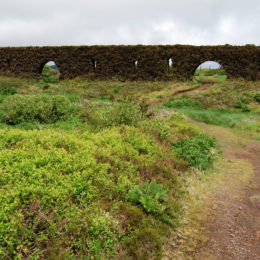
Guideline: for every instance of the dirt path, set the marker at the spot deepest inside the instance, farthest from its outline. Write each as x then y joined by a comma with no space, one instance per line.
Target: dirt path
222,209
234,230
196,89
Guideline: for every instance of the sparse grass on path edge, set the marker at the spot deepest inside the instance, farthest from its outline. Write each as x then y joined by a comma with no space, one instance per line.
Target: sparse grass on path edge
200,203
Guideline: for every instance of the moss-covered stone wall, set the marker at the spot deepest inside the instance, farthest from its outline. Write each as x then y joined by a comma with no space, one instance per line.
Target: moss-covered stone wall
107,62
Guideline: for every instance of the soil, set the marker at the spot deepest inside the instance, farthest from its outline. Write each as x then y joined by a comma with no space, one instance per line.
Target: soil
194,90
234,229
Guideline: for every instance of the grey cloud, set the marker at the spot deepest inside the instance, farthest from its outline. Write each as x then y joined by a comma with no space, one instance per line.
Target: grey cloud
80,22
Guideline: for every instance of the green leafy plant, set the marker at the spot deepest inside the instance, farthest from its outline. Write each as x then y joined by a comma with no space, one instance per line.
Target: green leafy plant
222,72
7,90
50,75
257,97
199,151
245,108
238,104
150,196
241,101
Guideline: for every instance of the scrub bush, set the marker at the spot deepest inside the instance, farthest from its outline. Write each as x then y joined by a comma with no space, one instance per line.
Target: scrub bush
257,97
156,126
50,75
182,103
60,194
119,113
7,90
198,151
245,108
41,108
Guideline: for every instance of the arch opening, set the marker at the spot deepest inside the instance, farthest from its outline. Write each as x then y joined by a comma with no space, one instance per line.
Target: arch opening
50,72
210,72
9,63
135,63
94,64
169,65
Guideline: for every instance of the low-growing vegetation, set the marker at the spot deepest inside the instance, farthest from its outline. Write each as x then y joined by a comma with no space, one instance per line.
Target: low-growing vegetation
90,175
210,75
40,108
96,169
198,151
62,195
231,104
87,195
50,75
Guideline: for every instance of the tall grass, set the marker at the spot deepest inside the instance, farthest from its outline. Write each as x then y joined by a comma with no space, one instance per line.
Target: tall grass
226,118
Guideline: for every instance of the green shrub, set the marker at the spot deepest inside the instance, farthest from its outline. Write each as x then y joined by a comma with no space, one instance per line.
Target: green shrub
50,75
2,98
160,127
241,101
245,108
222,72
117,90
182,102
199,151
150,196
159,96
43,85
238,104
7,90
210,72
146,244
257,97
119,113
247,94
49,78
50,182
40,108
245,100
61,193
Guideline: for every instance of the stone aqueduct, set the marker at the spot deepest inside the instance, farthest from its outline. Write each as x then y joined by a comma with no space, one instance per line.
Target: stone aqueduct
139,62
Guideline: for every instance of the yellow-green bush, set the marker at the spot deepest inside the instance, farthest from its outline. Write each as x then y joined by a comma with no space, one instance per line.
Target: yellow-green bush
54,186
42,108
72,194
118,113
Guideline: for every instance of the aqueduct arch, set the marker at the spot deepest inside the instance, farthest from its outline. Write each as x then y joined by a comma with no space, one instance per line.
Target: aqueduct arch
116,61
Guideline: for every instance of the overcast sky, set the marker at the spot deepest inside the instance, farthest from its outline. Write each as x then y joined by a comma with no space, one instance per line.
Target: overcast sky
85,22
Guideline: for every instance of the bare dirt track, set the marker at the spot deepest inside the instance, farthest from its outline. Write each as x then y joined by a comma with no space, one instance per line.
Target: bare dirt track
234,230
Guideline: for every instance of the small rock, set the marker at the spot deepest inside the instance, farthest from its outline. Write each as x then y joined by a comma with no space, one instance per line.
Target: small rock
240,208
173,245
